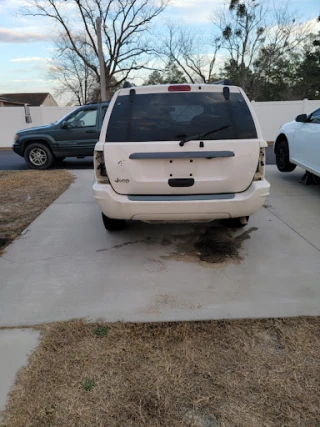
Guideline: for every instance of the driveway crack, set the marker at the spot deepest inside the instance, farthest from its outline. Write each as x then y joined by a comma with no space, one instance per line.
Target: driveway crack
300,235
122,245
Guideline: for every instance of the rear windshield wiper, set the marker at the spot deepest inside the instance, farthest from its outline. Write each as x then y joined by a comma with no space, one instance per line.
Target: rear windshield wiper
202,135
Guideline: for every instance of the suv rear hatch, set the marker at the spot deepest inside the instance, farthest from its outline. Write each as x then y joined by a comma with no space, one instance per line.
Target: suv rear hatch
143,153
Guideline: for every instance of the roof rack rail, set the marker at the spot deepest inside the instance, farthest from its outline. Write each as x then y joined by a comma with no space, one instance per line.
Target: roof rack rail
225,82
96,102
126,85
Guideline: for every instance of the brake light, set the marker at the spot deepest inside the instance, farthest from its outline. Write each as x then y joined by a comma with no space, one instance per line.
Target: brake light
179,88
261,166
100,168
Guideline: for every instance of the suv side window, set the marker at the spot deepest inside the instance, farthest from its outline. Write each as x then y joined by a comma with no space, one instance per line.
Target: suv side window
83,118
315,117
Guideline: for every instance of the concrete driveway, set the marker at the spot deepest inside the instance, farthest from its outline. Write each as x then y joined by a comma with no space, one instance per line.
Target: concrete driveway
66,265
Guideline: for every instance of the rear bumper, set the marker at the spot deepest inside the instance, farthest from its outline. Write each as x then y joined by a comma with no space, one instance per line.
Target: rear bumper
192,208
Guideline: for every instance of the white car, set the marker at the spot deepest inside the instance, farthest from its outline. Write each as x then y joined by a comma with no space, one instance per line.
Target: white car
298,143
180,153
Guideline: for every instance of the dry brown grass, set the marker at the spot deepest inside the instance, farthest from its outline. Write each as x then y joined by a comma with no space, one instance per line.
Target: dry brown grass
250,373
24,195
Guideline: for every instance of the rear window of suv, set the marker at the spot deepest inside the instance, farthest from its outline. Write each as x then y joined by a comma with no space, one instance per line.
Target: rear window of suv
174,116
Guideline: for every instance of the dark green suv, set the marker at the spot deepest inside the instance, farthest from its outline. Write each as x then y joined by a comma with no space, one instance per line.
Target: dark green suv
75,135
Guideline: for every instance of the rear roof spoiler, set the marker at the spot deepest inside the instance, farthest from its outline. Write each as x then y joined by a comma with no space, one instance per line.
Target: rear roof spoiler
225,82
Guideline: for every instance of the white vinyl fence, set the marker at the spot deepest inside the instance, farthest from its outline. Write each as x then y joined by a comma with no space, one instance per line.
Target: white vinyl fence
13,119
271,116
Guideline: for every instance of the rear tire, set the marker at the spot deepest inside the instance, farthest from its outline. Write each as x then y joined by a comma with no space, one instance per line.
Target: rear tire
111,224
236,222
282,157
38,156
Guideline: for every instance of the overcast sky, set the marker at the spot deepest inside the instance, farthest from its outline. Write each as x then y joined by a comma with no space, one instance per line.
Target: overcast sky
26,43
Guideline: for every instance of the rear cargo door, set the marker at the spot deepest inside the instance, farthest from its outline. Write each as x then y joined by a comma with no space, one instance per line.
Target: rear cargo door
143,153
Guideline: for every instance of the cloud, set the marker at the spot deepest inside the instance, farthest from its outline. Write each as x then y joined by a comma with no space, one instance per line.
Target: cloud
29,80
32,81
12,3
193,12
194,4
27,59
311,25
23,85
20,36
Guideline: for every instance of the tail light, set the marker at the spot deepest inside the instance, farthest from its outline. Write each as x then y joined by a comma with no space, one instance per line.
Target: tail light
100,168
259,175
179,88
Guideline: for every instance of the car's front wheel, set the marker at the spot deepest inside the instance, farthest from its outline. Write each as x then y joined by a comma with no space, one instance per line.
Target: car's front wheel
111,224
282,157
38,156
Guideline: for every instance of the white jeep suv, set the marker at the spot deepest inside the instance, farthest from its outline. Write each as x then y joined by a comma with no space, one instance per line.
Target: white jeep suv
180,153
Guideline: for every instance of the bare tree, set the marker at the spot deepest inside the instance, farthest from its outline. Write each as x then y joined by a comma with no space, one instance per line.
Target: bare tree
254,35
242,28
126,26
285,41
194,55
170,74
74,80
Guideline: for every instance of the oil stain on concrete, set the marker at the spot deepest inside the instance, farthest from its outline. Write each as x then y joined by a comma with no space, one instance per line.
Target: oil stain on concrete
209,246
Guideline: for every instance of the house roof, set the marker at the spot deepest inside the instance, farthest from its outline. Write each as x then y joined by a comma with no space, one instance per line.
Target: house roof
34,99
7,101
